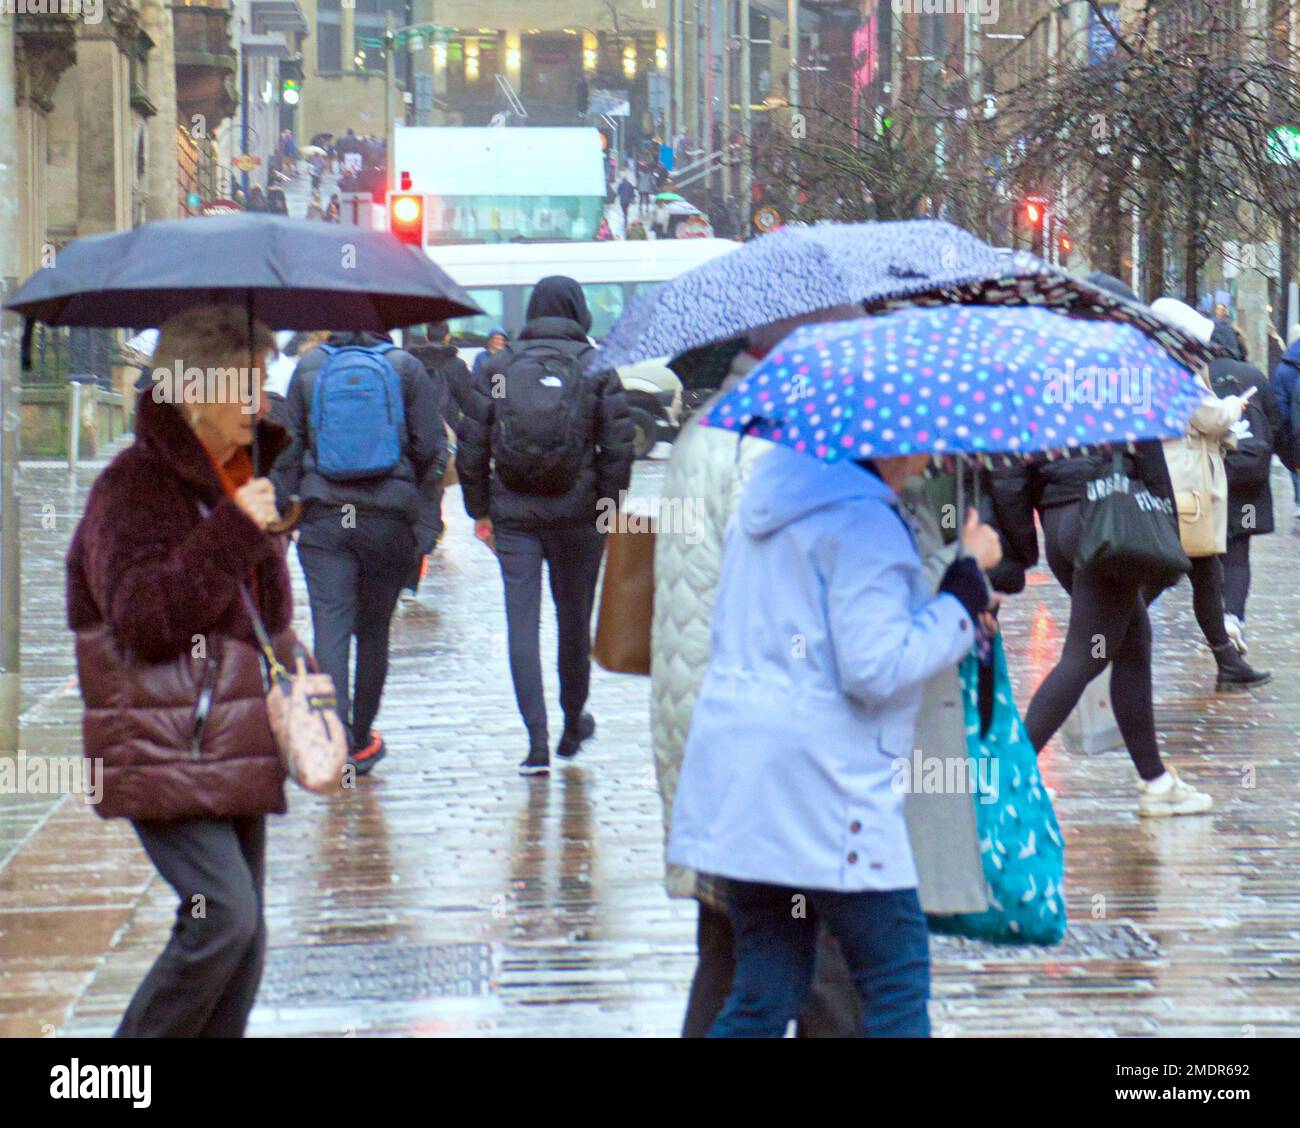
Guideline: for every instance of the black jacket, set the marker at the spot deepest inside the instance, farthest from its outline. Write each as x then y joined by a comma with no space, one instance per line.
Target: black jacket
424,453
1249,464
557,315
450,376
1016,490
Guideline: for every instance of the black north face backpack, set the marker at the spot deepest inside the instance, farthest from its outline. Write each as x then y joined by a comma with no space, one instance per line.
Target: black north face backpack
541,429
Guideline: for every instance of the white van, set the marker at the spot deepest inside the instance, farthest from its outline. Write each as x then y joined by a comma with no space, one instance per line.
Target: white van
500,277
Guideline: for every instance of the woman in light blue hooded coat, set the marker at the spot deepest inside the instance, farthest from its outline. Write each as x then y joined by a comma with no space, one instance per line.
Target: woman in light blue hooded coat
824,633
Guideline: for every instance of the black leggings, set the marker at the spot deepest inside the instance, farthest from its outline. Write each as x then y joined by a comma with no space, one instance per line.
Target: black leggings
1207,598
1108,624
1236,576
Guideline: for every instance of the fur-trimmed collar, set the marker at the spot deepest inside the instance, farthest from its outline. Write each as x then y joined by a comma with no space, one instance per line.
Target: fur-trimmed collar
162,428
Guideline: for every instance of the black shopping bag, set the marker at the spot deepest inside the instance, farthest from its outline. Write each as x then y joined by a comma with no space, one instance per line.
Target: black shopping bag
1128,533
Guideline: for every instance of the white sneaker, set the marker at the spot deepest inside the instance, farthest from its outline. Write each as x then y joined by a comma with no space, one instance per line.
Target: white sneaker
1168,795
1236,632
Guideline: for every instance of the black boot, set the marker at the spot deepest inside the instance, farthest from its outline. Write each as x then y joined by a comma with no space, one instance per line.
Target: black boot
1234,671
539,754
572,739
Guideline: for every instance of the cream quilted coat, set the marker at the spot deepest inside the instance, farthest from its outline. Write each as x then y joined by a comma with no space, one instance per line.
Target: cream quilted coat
708,474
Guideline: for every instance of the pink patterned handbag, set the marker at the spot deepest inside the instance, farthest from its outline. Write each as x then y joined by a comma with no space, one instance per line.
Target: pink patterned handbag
303,712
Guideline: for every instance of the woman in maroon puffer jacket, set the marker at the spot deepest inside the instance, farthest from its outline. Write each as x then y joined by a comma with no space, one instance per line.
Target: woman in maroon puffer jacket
175,722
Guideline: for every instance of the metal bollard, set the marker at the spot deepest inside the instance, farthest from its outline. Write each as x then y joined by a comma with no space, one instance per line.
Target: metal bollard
75,383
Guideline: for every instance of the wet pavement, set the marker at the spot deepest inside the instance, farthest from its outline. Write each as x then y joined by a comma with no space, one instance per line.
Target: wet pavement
447,896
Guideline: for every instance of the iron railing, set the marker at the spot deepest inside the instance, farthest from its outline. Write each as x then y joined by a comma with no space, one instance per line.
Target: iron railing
59,352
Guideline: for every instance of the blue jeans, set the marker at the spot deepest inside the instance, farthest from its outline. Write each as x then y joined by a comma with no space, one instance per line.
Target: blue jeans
885,943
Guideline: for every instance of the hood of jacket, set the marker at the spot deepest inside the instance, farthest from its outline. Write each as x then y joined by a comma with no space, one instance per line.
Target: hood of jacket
1224,337
432,355
560,297
553,329
788,486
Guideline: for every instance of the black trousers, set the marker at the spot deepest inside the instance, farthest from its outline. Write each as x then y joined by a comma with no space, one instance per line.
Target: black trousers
354,576
572,555
832,1008
204,982
1236,576
1108,626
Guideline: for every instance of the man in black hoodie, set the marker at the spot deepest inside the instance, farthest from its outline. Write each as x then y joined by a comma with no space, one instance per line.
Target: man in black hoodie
441,360
359,538
556,520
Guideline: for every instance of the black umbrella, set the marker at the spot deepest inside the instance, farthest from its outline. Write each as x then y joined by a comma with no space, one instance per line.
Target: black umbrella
289,273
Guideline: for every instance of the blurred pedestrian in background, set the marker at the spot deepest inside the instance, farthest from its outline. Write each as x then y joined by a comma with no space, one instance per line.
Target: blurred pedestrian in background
1109,624
1196,468
359,463
1287,394
497,340
543,444
1249,466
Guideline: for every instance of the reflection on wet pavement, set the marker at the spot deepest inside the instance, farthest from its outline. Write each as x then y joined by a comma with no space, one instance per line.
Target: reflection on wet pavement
447,896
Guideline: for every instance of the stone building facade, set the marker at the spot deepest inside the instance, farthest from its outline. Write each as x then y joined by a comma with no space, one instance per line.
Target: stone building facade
116,110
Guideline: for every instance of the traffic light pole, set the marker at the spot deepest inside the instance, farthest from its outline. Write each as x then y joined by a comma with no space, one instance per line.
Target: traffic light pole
390,160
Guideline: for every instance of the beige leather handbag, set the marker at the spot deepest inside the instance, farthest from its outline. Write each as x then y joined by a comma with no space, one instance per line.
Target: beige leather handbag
302,710
1196,527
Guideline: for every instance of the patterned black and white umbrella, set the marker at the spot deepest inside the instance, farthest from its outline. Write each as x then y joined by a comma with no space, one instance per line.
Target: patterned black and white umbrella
793,272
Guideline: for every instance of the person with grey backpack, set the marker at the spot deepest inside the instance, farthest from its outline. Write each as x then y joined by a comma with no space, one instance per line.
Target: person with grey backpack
542,444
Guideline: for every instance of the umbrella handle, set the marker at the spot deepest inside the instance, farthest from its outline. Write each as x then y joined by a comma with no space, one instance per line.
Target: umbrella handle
284,524
958,467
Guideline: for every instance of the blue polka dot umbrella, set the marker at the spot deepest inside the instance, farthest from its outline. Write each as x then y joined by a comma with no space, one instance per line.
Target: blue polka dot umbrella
961,379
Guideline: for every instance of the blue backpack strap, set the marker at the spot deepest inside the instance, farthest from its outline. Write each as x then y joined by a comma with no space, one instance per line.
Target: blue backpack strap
330,352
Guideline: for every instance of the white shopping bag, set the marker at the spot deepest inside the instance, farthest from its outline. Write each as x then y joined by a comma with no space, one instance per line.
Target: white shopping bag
1091,726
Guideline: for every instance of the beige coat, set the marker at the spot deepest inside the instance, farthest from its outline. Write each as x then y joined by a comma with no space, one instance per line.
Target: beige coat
1196,460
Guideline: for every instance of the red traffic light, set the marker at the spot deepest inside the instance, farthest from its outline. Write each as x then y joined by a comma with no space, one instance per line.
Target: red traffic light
1067,244
1034,213
406,217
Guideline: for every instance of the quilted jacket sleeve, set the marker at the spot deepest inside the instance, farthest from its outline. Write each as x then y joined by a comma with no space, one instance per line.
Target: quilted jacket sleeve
704,484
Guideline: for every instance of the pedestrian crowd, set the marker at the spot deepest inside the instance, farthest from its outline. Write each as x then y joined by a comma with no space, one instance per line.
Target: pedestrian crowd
358,163
820,623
